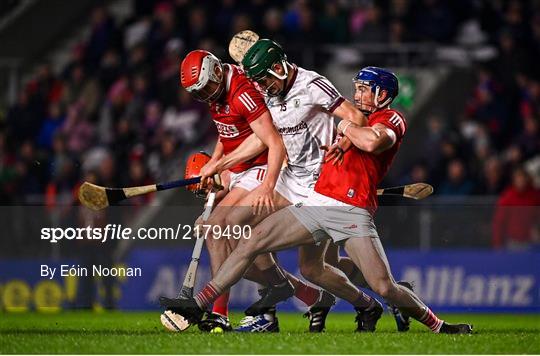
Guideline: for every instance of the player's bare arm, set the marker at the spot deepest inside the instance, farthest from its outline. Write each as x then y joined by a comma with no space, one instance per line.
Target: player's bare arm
347,112
268,134
373,139
251,147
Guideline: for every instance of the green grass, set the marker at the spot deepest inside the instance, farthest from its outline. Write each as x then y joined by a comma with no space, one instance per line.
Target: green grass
137,333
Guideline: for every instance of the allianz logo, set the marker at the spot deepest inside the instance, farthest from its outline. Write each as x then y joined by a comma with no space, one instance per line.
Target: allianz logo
453,286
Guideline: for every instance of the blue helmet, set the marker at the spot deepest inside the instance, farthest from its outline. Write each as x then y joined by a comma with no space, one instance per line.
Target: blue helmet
379,79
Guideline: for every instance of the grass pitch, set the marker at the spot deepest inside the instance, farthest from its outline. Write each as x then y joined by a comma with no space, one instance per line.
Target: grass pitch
138,333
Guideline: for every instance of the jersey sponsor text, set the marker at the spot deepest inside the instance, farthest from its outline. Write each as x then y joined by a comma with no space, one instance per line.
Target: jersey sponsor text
293,130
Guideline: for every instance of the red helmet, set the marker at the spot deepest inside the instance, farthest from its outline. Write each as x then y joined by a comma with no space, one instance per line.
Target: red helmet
193,168
201,74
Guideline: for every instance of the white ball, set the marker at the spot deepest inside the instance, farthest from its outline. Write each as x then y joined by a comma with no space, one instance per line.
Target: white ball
174,322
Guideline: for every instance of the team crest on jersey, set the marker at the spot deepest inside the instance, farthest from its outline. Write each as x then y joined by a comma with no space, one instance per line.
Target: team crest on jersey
226,108
226,130
296,103
350,193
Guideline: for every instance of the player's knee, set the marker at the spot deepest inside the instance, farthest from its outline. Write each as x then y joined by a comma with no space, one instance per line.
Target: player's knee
237,216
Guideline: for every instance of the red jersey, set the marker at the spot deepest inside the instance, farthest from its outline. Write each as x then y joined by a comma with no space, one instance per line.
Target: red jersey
515,215
355,181
241,105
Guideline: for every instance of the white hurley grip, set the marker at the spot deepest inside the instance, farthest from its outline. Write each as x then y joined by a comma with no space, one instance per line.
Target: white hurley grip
189,280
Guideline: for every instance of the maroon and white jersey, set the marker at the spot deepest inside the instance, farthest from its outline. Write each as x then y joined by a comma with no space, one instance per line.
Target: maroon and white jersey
241,105
303,117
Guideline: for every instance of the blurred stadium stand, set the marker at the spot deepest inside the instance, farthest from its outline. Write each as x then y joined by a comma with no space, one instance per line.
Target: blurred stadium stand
90,92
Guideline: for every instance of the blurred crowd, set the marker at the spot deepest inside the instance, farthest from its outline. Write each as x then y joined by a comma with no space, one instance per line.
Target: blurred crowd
114,114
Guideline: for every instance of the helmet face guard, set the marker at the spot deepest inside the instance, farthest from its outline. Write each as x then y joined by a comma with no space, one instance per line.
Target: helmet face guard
364,106
377,79
202,76
209,93
259,61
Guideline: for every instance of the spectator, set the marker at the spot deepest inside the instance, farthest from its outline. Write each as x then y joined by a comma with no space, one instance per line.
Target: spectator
162,30
109,69
50,126
22,119
118,97
434,21
457,182
372,28
433,140
151,130
397,33
333,23
167,72
529,139
183,120
198,27
418,173
125,139
492,178
80,133
487,109
241,22
517,214
138,176
30,175
142,93
8,174
273,25
164,163
81,91
102,36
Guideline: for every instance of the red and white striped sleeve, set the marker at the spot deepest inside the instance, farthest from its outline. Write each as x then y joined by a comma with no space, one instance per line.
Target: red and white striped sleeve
393,120
249,103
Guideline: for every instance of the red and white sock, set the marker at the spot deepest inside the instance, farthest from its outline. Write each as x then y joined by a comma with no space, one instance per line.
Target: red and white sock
431,321
207,295
307,294
221,305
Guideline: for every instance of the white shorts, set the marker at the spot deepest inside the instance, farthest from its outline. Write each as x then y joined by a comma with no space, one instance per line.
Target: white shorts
324,216
248,179
294,189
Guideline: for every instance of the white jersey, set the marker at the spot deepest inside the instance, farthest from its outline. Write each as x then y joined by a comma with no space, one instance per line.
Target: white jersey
304,119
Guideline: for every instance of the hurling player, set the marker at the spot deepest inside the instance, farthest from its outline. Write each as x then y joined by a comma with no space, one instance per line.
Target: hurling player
240,115
342,206
302,104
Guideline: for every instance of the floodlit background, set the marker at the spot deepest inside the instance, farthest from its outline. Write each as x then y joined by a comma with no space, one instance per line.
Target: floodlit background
89,91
